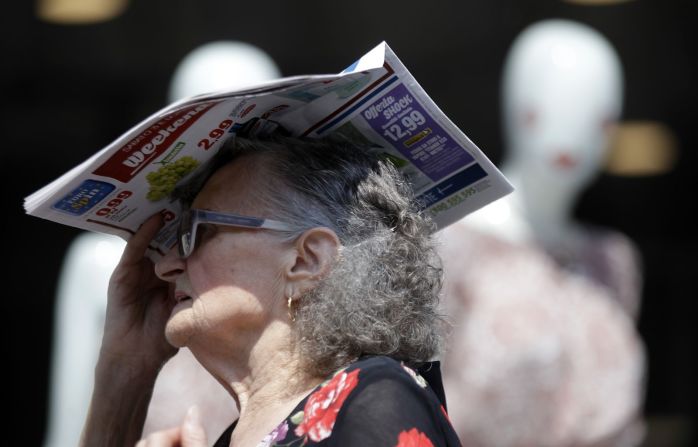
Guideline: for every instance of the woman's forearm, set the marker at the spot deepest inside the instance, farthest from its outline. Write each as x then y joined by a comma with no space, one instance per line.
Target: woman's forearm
119,405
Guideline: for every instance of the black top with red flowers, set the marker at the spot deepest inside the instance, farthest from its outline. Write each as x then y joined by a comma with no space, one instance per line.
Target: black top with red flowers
376,401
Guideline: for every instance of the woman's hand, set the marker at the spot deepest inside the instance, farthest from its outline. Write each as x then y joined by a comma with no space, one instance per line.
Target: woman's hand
134,347
190,434
139,305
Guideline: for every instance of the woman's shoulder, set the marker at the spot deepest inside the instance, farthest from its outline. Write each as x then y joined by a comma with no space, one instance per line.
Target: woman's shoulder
344,408
398,375
376,361
381,365
380,388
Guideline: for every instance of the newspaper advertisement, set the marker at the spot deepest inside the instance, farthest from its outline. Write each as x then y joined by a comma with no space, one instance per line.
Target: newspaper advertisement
375,101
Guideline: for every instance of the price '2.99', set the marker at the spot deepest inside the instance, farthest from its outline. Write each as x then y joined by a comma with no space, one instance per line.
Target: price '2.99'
406,126
214,135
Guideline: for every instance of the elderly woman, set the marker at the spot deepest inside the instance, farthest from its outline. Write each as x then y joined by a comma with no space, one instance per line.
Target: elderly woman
305,282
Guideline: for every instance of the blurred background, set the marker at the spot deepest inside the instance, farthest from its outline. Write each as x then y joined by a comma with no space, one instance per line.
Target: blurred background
77,74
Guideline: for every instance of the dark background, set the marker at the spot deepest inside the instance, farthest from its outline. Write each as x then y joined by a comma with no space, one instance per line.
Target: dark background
69,90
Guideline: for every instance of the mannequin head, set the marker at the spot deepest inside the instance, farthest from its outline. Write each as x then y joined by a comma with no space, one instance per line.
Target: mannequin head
220,65
562,93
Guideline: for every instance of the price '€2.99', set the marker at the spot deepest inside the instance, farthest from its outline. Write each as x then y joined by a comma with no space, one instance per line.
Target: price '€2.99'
405,126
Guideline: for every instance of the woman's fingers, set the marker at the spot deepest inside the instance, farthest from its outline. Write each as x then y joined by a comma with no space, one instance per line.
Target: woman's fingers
193,433
138,305
190,434
163,438
138,244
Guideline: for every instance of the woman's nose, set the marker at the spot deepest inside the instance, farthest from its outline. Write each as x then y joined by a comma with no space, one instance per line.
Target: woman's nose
170,266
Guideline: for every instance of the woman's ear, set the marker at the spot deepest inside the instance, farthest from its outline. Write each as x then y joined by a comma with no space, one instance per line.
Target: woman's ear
316,250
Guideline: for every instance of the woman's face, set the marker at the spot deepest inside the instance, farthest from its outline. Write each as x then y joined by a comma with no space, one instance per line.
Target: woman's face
231,288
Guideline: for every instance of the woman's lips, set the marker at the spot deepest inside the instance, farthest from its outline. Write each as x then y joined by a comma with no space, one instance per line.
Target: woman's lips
180,296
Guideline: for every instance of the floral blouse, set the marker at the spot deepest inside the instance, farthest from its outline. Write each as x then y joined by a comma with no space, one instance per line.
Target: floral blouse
376,401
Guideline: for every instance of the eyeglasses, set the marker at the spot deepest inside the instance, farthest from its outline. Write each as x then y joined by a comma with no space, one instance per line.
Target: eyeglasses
190,220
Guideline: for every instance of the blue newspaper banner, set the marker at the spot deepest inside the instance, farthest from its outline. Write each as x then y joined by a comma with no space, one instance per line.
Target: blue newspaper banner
84,197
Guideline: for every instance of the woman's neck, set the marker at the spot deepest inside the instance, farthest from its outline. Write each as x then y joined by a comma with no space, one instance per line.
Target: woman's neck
264,377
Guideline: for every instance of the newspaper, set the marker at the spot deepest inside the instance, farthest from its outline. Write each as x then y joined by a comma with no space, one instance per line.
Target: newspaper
375,101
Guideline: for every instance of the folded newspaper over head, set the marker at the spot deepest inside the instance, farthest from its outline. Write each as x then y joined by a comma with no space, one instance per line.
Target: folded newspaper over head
374,101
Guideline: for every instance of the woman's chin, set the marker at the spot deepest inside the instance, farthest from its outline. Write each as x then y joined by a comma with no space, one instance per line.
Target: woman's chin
178,331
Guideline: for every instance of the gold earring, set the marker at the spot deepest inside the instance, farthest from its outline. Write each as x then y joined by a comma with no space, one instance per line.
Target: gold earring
291,316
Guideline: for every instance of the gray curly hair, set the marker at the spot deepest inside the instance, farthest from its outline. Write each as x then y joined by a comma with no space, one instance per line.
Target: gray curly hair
382,294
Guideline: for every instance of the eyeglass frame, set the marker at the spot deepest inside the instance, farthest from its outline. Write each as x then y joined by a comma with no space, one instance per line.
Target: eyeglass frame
192,217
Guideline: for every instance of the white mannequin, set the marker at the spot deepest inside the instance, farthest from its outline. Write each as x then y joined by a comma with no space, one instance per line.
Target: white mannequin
82,289
544,349
562,94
